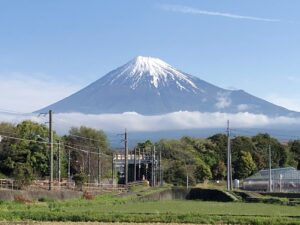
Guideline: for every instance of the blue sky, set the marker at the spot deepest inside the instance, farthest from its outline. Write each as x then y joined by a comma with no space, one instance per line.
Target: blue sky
49,49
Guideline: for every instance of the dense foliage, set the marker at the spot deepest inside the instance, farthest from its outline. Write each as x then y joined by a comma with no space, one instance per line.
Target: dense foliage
95,141
24,151
24,154
205,159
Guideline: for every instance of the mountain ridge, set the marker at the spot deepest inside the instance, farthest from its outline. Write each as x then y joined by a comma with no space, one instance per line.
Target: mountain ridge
150,86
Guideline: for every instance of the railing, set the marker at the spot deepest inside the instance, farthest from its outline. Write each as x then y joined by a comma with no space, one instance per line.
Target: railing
63,185
138,183
8,184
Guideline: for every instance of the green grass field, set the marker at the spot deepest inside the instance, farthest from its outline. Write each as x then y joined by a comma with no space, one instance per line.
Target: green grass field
109,208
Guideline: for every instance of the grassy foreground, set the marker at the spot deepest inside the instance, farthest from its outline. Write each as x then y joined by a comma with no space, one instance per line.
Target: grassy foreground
109,208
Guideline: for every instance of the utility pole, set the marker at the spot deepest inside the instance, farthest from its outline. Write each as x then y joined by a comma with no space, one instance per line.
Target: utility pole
139,171
89,167
51,151
134,171
69,167
270,169
59,163
187,180
229,178
126,158
113,169
231,182
160,170
145,157
99,167
154,167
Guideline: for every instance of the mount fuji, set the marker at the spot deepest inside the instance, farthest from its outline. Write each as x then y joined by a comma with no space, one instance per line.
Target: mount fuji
150,86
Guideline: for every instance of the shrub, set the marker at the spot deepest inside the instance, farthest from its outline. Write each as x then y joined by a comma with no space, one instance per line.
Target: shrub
21,199
23,174
202,172
79,179
88,195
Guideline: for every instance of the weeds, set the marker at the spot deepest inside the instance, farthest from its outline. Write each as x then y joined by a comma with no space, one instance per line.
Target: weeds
22,199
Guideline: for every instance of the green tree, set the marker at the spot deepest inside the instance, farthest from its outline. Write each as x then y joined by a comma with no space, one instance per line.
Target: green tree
280,153
26,158
37,152
245,166
79,179
147,145
202,172
219,170
92,140
220,140
7,128
23,174
295,150
176,174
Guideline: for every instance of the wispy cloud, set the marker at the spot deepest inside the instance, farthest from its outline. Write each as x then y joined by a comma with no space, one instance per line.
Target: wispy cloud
223,101
29,92
195,11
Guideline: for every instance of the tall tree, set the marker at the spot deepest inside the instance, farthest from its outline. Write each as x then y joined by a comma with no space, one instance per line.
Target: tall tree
91,140
27,156
295,150
245,166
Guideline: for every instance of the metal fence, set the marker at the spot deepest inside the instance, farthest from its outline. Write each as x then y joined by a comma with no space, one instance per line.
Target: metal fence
65,185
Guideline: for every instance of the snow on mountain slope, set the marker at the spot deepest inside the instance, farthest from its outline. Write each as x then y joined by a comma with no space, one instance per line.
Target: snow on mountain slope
145,69
150,86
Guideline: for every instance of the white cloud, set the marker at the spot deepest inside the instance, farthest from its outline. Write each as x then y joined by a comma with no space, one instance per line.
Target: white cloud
30,92
243,107
223,100
195,11
171,121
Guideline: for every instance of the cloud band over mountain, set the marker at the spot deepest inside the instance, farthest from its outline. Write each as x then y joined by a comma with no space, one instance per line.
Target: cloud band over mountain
171,121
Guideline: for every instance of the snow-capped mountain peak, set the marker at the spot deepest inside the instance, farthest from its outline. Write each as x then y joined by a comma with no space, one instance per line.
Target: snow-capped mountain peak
150,86
148,69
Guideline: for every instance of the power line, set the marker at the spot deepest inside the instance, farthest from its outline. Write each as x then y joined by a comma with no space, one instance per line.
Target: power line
24,139
11,112
46,142
11,133
85,138
80,146
85,151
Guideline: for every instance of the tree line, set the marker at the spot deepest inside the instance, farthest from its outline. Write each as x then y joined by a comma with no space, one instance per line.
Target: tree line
205,159
24,154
